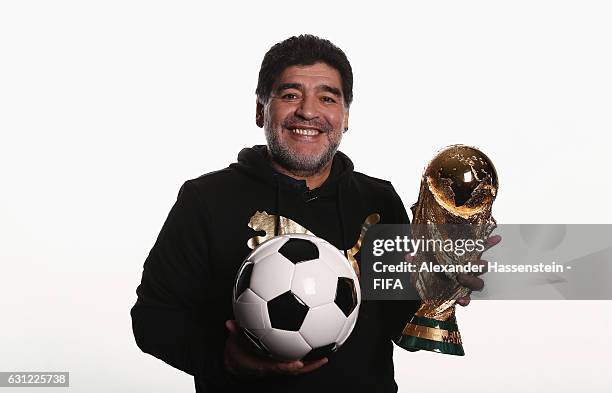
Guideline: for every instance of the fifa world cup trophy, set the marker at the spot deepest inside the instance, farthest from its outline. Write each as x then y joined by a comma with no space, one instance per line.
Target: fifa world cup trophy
457,191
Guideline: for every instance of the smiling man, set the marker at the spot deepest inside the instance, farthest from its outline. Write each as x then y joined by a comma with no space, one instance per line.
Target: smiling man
298,182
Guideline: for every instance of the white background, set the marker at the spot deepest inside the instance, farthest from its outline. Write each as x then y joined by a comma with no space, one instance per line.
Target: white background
107,107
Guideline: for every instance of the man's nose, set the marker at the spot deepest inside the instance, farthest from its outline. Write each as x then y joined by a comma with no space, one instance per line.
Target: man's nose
307,108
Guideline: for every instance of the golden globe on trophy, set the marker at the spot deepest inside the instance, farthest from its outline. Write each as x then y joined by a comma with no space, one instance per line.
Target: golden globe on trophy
457,191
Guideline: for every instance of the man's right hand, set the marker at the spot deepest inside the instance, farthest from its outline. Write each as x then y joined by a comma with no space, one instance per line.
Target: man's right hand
242,362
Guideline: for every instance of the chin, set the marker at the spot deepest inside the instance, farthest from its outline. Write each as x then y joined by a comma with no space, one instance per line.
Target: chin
307,149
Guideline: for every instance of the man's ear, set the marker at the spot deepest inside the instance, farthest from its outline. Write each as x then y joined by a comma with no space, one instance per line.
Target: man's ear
346,120
259,114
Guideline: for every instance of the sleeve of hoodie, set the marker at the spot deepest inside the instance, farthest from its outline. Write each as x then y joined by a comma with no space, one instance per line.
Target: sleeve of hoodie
174,281
399,312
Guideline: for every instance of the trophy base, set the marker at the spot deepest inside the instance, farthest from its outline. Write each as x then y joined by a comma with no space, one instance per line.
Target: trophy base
431,335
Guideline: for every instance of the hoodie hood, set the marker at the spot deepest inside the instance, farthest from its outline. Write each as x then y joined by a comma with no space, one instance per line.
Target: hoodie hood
254,162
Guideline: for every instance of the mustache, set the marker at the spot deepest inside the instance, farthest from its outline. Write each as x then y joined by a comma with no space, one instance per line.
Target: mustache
294,122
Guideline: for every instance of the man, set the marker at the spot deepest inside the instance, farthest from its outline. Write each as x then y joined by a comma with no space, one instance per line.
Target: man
184,315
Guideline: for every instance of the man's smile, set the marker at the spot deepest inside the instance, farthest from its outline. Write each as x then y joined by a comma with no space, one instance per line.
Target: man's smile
304,134
305,131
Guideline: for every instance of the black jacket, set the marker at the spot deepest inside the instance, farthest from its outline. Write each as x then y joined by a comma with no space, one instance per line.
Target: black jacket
186,290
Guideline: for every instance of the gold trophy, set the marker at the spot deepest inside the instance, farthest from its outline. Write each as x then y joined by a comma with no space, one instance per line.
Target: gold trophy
458,188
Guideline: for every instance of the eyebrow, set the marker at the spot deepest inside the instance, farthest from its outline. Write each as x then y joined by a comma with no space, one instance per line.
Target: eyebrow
298,86
332,90
287,86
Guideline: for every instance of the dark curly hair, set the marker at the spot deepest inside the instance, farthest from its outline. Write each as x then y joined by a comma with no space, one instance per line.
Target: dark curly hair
305,49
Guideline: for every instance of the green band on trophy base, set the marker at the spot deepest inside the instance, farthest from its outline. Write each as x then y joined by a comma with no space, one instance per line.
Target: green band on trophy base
450,325
432,335
412,343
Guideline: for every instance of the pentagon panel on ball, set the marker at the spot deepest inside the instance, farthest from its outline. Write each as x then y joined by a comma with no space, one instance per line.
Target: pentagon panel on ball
296,297
299,250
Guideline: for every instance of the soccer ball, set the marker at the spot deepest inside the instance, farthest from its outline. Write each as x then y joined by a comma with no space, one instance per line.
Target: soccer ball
296,297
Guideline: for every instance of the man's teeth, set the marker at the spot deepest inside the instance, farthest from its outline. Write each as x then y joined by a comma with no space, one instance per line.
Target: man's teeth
302,131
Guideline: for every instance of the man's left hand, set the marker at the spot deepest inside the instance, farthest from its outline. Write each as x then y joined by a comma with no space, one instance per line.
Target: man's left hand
473,282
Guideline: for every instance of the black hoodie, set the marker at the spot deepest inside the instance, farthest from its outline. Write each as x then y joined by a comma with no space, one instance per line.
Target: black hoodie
185,295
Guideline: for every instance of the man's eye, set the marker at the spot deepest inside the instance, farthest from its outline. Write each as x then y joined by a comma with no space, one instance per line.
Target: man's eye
328,99
290,96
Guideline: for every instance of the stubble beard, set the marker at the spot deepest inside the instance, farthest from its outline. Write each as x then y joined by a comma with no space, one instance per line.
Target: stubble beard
296,164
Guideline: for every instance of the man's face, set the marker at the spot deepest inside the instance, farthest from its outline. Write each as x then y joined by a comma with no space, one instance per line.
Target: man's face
304,118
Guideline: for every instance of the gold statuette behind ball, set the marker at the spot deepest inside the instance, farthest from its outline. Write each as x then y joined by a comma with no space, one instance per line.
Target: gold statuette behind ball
458,188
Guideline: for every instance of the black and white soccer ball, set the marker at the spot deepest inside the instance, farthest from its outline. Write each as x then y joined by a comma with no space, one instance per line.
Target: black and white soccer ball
296,297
